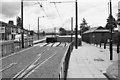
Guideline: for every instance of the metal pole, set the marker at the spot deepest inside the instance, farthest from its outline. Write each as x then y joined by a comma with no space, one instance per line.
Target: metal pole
110,8
22,34
38,28
76,29
118,43
111,46
71,29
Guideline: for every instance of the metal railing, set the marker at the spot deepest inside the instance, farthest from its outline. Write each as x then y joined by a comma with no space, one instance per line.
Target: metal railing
9,47
63,68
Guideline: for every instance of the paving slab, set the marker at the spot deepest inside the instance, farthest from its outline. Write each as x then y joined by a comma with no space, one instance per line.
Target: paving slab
89,61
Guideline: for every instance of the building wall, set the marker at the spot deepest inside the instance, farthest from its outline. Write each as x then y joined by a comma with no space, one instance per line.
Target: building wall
99,37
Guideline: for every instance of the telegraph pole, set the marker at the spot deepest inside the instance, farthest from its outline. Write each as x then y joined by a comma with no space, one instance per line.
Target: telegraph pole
22,34
76,28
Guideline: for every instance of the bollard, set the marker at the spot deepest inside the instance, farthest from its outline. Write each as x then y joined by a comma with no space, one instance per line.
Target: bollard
117,48
104,45
100,44
96,44
13,47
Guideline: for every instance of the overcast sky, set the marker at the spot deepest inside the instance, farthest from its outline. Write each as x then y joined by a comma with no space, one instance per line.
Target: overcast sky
94,11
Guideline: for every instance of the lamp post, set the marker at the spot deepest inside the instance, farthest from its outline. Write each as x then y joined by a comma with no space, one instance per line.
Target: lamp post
38,25
22,34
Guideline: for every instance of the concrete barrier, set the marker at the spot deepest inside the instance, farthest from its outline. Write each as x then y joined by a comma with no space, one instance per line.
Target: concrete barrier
63,68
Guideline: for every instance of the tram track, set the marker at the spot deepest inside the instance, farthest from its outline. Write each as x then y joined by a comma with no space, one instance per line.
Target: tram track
34,65
47,51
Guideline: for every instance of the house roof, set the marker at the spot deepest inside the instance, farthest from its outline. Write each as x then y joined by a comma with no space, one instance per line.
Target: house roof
96,29
91,30
3,23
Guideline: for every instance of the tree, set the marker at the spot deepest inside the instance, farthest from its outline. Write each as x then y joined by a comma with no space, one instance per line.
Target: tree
111,23
84,26
43,33
62,31
19,21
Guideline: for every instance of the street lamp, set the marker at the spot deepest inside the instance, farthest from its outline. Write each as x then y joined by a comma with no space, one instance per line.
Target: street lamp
22,34
38,25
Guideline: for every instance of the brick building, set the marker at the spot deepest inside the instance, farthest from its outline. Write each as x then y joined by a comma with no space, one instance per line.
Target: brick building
98,35
9,30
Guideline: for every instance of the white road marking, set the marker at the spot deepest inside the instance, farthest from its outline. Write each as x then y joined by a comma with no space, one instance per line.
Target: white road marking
56,44
10,65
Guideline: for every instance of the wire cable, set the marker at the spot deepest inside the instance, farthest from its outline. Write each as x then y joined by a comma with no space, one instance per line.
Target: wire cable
57,11
41,6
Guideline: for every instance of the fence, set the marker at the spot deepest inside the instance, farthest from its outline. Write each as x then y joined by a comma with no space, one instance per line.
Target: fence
9,47
63,68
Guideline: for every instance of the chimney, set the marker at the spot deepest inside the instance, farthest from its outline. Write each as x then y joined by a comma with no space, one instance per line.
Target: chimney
11,22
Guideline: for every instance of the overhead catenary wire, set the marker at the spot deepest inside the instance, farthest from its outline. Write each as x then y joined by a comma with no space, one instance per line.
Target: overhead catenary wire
41,6
57,11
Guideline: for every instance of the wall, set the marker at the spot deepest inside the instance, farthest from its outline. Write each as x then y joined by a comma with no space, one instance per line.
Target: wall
98,37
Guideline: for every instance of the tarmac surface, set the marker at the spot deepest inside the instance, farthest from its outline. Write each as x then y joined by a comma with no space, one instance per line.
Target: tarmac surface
39,59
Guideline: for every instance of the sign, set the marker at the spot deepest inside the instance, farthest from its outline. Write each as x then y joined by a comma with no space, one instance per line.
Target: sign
2,29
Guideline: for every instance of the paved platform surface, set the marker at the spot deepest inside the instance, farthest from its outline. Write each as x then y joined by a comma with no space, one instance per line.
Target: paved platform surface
89,61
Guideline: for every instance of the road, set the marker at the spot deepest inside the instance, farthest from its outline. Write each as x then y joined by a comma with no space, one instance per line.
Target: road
23,64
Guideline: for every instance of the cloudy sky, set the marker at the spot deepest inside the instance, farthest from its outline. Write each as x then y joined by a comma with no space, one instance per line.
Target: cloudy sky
56,15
